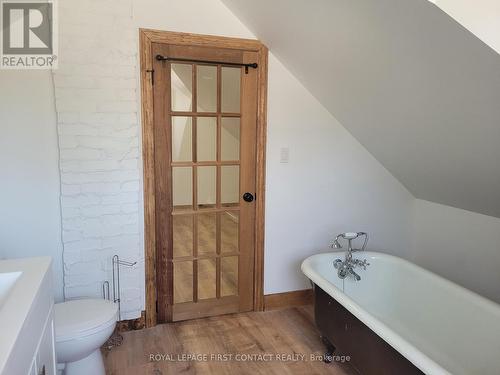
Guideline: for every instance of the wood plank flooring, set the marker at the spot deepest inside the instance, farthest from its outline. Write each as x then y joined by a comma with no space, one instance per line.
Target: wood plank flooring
288,331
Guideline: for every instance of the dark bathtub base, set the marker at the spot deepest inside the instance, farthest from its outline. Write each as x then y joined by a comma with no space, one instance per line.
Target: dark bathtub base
347,335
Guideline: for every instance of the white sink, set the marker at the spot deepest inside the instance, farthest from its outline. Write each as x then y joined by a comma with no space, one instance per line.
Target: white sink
7,282
26,304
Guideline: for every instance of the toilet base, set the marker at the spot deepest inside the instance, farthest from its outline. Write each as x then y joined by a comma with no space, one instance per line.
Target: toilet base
92,364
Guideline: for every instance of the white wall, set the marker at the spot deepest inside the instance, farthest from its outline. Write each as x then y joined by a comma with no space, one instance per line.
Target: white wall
30,220
330,185
459,245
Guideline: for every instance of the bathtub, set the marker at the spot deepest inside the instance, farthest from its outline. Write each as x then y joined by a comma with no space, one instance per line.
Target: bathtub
436,325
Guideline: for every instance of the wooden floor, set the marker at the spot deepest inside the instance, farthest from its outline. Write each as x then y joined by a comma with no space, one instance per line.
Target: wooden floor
289,331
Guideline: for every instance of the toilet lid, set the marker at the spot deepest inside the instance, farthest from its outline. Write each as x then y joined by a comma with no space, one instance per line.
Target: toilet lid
82,317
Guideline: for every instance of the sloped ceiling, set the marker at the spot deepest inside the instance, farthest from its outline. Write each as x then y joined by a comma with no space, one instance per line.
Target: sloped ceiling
418,90
480,17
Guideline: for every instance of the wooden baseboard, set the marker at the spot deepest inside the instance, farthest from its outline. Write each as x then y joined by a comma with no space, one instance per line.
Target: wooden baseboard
132,324
271,302
288,299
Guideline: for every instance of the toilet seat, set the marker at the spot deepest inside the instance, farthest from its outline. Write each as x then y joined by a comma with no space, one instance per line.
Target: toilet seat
79,318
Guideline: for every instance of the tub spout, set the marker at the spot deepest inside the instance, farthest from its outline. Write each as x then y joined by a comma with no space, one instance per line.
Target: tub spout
344,270
356,276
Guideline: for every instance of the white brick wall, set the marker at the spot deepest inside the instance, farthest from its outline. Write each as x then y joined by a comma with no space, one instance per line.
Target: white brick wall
98,127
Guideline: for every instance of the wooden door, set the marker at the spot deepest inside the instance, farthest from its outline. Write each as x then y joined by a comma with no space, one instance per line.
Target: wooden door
205,120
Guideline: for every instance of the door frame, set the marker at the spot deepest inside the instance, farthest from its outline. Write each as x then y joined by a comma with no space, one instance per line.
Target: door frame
146,38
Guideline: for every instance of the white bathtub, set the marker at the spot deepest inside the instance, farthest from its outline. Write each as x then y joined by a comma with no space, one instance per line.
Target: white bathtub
437,325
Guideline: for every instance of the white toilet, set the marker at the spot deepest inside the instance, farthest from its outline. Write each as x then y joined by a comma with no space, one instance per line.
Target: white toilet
82,327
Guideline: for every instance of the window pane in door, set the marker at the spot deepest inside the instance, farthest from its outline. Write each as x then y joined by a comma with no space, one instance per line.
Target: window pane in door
207,224
182,139
229,276
230,90
182,235
206,138
182,188
207,180
230,184
229,228
230,138
206,88
182,87
206,278
183,282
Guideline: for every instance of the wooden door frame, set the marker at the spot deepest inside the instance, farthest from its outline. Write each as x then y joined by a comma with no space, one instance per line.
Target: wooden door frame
146,38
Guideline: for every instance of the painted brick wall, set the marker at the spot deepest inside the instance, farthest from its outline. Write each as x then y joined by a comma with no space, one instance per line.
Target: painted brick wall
98,128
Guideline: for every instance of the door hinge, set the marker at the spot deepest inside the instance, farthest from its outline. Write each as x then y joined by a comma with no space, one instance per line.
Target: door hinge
152,71
157,307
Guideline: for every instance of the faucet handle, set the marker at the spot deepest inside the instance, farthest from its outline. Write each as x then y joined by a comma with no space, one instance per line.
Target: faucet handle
337,263
361,263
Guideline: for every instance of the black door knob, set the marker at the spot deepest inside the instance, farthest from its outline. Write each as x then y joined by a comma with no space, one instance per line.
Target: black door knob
248,197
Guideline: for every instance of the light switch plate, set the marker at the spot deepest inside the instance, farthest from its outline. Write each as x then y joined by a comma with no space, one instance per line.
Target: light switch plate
284,155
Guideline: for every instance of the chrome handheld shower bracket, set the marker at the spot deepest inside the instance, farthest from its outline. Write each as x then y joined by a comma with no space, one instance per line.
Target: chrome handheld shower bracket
349,237
363,234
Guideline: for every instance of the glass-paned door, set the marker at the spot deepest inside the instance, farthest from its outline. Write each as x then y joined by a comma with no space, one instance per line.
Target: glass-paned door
210,124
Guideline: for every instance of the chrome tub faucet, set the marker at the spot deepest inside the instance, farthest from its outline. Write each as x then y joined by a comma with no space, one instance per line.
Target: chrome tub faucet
346,267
